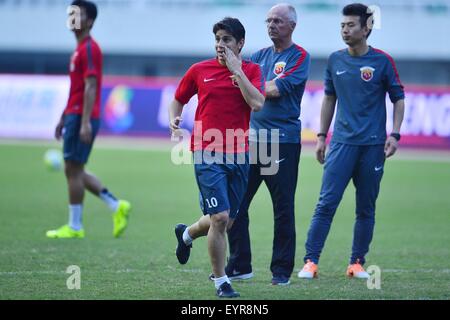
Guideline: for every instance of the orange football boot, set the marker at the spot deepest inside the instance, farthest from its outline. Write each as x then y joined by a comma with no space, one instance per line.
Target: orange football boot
309,271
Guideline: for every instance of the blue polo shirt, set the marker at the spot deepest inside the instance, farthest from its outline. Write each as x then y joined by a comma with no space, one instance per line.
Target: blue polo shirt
360,84
290,69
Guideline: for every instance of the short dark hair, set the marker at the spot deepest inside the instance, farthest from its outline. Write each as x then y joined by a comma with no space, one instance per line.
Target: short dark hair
232,26
362,11
90,7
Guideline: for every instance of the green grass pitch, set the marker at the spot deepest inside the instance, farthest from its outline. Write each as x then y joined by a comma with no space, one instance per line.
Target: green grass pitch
411,243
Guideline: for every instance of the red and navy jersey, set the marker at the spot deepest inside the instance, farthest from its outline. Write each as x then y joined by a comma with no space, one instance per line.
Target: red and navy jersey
221,105
86,61
289,69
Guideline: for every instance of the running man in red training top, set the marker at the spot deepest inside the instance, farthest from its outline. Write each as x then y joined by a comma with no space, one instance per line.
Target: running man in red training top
228,90
81,122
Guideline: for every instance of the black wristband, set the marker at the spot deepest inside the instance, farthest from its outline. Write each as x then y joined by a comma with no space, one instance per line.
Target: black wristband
321,134
396,136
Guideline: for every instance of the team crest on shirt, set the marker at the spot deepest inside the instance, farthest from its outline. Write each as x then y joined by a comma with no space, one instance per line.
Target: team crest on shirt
234,82
367,73
278,69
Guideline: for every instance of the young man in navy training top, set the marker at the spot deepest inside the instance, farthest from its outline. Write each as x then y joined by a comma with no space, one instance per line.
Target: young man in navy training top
358,78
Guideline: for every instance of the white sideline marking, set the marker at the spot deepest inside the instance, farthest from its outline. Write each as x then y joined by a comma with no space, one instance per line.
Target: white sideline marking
416,270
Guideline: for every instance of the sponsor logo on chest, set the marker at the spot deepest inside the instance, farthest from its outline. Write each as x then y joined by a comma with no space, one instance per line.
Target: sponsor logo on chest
208,80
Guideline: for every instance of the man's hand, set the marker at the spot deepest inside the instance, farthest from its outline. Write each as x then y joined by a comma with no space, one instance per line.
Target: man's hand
321,146
234,64
174,125
390,146
86,132
272,90
59,128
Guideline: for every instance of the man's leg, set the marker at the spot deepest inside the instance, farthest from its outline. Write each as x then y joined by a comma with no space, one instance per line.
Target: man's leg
338,170
282,186
74,229
187,234
74,175
73,168
367,181
212,183
120,208
94,185
217,249
198,229
217,245
239,235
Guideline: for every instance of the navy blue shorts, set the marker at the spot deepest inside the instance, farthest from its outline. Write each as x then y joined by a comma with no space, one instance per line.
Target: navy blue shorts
74,149
222,184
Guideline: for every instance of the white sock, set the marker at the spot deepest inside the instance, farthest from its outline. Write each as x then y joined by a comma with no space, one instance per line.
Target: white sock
186,237
109,199
75,215
219,281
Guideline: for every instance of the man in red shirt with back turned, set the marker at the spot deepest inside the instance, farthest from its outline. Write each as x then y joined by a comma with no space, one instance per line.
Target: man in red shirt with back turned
81,122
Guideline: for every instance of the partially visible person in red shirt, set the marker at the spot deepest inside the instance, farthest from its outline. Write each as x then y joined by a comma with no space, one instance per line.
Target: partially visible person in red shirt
81,121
